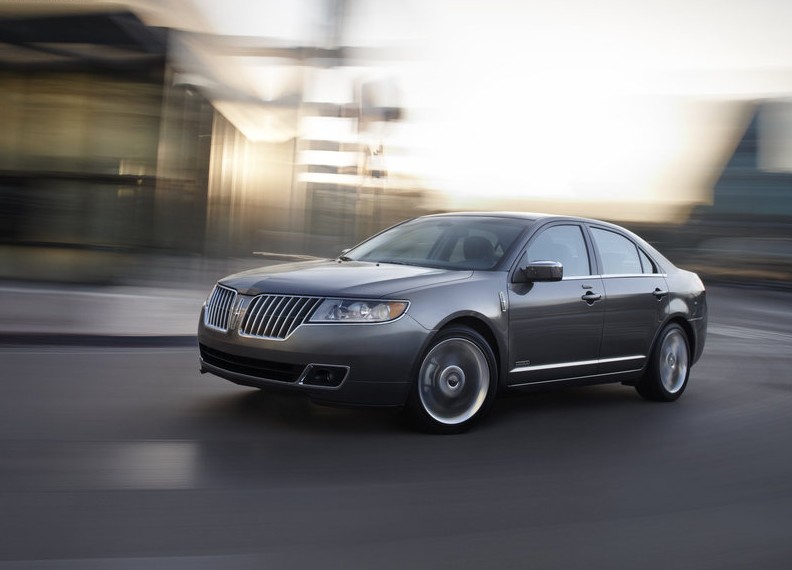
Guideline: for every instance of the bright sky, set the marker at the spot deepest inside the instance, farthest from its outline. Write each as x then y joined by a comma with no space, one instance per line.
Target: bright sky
621,100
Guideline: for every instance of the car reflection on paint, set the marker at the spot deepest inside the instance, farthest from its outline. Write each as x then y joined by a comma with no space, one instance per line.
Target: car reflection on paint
440,313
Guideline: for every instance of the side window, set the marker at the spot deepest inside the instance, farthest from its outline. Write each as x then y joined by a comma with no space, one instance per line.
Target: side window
564,244
647,264
618,254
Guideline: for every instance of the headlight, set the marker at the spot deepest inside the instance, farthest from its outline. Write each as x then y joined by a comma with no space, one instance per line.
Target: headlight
356,311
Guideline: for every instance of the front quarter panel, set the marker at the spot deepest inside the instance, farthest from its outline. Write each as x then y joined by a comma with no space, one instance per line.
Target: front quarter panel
477,298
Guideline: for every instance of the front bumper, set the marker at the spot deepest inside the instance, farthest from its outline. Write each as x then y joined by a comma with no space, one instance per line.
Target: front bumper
377,361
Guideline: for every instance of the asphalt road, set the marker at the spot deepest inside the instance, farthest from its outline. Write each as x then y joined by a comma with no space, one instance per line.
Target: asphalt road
128,458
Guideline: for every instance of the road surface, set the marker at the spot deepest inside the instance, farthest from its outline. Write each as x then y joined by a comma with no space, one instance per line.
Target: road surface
128,458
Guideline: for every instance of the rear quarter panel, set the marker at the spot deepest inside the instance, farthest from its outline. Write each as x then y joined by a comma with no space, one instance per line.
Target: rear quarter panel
688,299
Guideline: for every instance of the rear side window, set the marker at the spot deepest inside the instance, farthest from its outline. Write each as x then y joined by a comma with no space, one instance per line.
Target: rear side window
619,255
646,263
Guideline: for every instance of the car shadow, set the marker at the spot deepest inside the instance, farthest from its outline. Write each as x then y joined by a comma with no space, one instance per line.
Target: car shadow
293,412
550,408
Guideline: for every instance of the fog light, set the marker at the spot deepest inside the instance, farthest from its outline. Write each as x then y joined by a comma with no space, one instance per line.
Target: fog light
324,375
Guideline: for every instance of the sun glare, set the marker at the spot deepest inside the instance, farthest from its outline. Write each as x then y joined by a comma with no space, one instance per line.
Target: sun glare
499,134
573,120
571,105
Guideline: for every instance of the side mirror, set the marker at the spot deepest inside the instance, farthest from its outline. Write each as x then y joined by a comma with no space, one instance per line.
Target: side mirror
540,271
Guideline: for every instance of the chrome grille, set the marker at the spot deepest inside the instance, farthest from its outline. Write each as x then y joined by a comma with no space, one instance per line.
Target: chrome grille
276,316
220,307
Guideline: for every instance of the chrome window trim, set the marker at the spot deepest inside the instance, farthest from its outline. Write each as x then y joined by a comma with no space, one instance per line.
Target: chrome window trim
613,275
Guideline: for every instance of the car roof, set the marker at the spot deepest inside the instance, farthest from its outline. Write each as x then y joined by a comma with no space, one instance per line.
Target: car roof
528,216
537,216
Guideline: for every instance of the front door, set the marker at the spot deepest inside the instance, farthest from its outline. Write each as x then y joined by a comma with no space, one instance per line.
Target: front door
555,328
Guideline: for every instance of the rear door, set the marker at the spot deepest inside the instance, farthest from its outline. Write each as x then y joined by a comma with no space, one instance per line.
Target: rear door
636,300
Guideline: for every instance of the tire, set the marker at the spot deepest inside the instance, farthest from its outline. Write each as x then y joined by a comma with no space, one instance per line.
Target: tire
669,368
455,382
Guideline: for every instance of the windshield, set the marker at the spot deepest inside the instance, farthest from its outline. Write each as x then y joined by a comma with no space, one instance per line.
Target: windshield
448,242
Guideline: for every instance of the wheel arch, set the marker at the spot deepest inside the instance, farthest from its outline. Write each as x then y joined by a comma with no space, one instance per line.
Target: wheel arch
686,327
415,406
689,332
482,328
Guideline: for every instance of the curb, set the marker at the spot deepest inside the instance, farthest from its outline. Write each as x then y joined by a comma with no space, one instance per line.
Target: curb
97,340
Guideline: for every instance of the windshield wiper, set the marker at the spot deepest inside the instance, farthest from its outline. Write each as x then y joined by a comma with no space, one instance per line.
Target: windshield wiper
344,258
396,262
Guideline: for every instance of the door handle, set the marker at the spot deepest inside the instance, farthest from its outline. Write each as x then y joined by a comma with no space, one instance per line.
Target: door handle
590,297
659,293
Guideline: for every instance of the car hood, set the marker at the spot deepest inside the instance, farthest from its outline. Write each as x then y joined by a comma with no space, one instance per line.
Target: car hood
327,278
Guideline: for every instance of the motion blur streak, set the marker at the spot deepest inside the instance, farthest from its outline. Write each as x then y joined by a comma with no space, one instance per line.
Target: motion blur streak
149,147
92,465
152,465
223,129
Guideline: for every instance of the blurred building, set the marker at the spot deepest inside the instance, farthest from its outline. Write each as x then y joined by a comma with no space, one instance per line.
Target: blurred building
745,234
756,182
113,147
122,138
101,154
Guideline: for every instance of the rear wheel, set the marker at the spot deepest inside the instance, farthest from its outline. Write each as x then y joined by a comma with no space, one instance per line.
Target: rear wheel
456,382
669,368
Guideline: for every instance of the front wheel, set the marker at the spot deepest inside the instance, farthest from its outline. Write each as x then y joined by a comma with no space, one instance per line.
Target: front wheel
669,368
456,382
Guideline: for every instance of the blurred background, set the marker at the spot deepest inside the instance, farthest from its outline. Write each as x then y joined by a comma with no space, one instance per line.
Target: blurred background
142,136
149,147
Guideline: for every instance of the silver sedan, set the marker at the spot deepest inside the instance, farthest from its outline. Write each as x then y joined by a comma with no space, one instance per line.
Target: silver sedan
440,313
